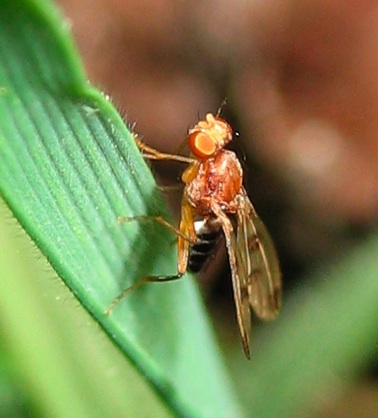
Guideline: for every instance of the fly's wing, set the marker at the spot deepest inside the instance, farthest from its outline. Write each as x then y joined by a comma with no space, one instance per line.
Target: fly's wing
255,250
188,231
239,280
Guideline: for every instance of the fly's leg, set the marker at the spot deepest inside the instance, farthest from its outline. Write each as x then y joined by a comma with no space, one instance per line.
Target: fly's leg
153,154
159,219
138,284
186,236
171,188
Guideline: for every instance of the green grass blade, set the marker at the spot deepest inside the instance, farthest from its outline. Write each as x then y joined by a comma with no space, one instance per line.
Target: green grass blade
68,169
55,363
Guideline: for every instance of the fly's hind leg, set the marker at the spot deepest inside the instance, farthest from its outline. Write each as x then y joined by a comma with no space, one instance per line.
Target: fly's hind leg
139,283
186,235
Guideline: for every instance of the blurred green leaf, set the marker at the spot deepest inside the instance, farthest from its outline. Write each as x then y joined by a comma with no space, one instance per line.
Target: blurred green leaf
68,169
56,363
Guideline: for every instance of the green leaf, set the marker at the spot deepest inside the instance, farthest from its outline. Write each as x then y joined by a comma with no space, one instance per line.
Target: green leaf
54,360
68,169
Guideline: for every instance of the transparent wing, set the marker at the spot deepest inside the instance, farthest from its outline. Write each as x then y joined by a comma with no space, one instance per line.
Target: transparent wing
256,252
239,281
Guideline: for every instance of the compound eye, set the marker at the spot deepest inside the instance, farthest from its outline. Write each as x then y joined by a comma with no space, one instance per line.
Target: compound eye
202,145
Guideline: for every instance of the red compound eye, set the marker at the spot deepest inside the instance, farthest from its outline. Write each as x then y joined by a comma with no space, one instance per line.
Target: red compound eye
202,145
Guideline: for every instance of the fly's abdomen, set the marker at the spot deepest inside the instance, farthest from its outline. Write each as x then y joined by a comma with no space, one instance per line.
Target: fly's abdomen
208,233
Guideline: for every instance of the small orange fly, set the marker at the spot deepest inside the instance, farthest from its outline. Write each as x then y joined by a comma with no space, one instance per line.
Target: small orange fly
215,201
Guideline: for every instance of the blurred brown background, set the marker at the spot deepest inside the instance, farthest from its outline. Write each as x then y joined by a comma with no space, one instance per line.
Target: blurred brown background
302,89
301,82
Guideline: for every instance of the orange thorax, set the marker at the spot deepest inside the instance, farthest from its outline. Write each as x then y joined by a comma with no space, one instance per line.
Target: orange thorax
215,181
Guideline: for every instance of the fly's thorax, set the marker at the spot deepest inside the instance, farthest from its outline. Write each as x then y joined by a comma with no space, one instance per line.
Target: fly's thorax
216,181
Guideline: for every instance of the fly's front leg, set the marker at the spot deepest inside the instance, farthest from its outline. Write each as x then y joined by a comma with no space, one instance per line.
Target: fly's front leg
153,154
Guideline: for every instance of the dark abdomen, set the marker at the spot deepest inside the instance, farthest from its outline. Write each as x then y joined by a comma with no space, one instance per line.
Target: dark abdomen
208,232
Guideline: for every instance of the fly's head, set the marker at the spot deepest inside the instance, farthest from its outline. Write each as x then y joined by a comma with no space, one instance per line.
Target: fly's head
209,136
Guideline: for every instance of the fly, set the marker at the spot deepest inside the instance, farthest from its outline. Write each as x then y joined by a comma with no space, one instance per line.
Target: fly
214,202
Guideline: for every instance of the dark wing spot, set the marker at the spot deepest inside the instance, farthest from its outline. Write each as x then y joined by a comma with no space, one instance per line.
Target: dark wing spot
253,244
255,276
275,298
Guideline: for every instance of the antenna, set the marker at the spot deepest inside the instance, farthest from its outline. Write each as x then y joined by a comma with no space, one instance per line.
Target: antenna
222,105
